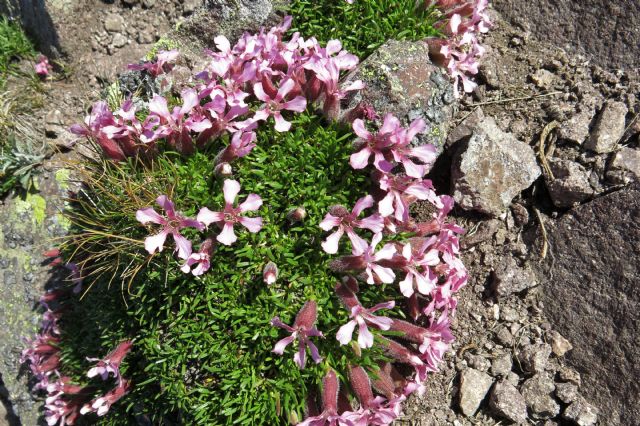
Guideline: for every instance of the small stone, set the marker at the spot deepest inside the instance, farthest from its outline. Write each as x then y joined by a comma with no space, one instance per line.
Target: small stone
559,345
608,129
581,413
509,278
625,166
114,23
474,386
570,183
568,374
567,392
190,6
508,403
542,78
119,40
513,378
466,127
520,214
537,392
576,129
501,366
534,358
130,2
490,169
53,124
147,35
478,362
504,336
148,3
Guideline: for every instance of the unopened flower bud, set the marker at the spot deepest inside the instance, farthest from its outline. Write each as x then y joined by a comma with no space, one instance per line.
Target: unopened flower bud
223,170
297,214
293,418
270,273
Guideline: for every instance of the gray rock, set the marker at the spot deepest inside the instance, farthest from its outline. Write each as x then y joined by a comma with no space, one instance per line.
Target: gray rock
501,366
114,23
504,336
570,183
491,169
148,3
130,2
625,166
537,392
478,362
592,297
608,129
567,392
582,413
189,6
119,40
569,375
509,278
54,124
401,79
576,129
508,403
466,127
534,358
559,345
474,386
542,78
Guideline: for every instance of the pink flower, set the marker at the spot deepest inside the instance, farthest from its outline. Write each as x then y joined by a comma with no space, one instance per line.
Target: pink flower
361,317
160,66
270,273
202,259
371,260
418,258
76,276
403,152
274,104
172,224
101,405
232,215
345,221
400,190
377,144
303,328
42,67
111,363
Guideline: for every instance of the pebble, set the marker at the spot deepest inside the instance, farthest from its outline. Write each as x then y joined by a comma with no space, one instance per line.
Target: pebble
507,402
114,23
567,392
474,386
509,278
608,129
501,366
625,166
559,345
537,392
569,184
581,413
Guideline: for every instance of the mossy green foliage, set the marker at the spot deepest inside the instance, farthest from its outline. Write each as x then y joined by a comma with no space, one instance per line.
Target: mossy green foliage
364,25
14,44
202,351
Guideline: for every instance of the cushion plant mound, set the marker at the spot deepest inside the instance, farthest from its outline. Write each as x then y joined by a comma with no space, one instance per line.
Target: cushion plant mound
238,257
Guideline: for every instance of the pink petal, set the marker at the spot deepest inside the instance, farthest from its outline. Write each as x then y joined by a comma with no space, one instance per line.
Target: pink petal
231,188
374,223
259,92
315,355
183,246
208,217
282,125
189,101
285,87
282,344
222,43
155,242
298,104
252,203
300,357
329,222
390,124
227,236
164,202
365,338
385,252
413,170
425,153
148,214
330,245
360,159
253,224
406,285
345,332
158,106
360,129
385,305
386,275
361,204
385,206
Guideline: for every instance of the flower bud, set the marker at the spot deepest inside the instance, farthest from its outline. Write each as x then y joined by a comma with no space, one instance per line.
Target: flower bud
223,170
338,211
297,214
270,273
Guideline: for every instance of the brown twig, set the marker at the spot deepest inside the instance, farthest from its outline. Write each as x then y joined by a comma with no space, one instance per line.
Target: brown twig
545,239
520,98
541,148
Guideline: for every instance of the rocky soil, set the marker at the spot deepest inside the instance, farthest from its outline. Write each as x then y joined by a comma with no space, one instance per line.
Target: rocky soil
541,159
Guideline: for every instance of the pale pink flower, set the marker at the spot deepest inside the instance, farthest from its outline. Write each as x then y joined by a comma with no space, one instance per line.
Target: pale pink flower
274,105
171,225
42,67
111,363
376,144
418,261
362,317
371,259
202,259
345,221
303,328
232,215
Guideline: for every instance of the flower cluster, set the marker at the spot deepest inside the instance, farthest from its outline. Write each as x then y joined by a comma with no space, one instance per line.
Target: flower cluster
65,401
174,222
43,67
460,49
261,77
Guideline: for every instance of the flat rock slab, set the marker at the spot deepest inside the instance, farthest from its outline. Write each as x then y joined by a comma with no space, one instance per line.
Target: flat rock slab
592,296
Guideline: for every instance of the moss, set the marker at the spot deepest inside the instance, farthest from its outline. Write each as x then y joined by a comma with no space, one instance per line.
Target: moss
34,204
62,177
162,44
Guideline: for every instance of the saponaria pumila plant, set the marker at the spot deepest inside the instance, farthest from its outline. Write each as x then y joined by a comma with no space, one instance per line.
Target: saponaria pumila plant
288,75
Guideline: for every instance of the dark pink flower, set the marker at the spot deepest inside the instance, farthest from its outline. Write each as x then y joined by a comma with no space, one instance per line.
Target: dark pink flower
303,328
161,65
202,259
171,225
273,105
102,404
42,67
362,317
232,215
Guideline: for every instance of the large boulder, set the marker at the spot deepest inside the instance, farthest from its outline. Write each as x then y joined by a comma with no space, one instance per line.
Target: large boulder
592,296
401,79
